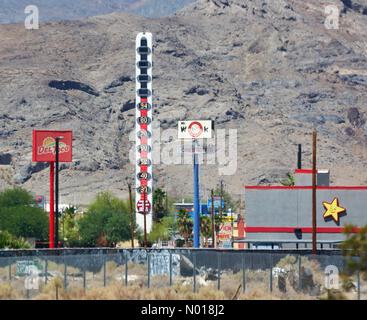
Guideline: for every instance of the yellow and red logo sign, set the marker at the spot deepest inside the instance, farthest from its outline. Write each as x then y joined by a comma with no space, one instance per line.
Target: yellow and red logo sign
44,146
333,210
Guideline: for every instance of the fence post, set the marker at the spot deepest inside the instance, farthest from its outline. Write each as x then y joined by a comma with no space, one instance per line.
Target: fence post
126,266
65,276
10,276
219,259
84,280
170,268
104,271
46,271
299,272
358,285
271,274
243,274
194,270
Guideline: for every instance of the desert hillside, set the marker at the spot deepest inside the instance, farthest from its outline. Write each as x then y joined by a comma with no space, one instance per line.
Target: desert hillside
268,68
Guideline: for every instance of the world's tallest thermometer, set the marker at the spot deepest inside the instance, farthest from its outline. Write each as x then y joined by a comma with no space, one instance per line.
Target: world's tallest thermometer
144,118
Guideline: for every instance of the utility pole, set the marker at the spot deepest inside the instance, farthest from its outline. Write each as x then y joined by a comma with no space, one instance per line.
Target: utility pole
221,200
145,220
314,186
213,221
131,216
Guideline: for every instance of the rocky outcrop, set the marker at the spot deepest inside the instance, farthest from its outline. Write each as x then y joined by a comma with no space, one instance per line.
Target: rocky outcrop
72,85
269,69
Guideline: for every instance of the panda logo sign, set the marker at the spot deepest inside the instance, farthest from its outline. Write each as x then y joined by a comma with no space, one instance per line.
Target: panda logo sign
195,129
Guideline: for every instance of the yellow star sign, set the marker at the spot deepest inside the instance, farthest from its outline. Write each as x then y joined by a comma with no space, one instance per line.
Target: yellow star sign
333,210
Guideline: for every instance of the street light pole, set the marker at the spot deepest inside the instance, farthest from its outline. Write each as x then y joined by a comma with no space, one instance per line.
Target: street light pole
213,221
314,186
57,160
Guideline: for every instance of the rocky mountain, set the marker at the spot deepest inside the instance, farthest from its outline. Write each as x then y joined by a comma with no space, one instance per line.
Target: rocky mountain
12,11
270,69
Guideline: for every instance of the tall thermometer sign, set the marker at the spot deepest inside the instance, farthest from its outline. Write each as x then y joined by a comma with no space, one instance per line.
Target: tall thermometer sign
144,113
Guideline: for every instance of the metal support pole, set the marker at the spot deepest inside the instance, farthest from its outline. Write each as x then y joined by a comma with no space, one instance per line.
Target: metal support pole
57,193
314,203
104,273
194,272
46,271
65,276
170,269
214,244
84,280
196,200
52,207
9,270
219,259
271,279
299,273
358,285
243,275
126,270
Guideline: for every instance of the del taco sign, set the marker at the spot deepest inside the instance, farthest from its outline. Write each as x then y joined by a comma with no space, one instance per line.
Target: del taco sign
44,145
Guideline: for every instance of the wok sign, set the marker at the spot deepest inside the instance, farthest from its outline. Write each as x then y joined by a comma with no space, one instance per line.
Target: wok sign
44,146
198,129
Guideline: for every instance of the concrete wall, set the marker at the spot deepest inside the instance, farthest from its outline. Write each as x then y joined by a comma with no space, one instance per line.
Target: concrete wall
292,207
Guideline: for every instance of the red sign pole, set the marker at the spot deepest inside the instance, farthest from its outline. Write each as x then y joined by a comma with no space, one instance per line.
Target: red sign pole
52,206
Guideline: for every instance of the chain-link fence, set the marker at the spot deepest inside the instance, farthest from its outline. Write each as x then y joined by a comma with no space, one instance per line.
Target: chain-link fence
176,274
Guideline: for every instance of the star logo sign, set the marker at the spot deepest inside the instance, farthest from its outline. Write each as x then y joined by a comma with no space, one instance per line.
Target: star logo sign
333,210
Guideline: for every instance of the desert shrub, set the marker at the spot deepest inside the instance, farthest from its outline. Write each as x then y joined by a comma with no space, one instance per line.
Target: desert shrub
8,241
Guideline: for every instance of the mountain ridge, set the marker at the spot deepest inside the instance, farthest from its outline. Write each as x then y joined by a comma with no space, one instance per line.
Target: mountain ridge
271,70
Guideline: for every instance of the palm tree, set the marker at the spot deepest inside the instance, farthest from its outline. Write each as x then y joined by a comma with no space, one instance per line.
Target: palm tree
159,204
185,225
289,181
206,229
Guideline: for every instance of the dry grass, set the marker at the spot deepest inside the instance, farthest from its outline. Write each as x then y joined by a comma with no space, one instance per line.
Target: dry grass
7,292
257,285
6,174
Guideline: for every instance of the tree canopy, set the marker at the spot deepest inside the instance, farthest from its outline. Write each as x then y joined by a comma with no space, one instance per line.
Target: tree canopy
19,215
106,222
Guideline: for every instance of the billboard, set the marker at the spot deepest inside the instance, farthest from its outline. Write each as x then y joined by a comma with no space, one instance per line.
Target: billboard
44,144
216,203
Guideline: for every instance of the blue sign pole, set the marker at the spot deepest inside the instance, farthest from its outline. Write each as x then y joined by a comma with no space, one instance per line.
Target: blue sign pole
196,202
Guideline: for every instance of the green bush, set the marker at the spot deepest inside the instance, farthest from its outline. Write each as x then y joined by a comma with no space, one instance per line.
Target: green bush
106,222
16,197
8,241
19,215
